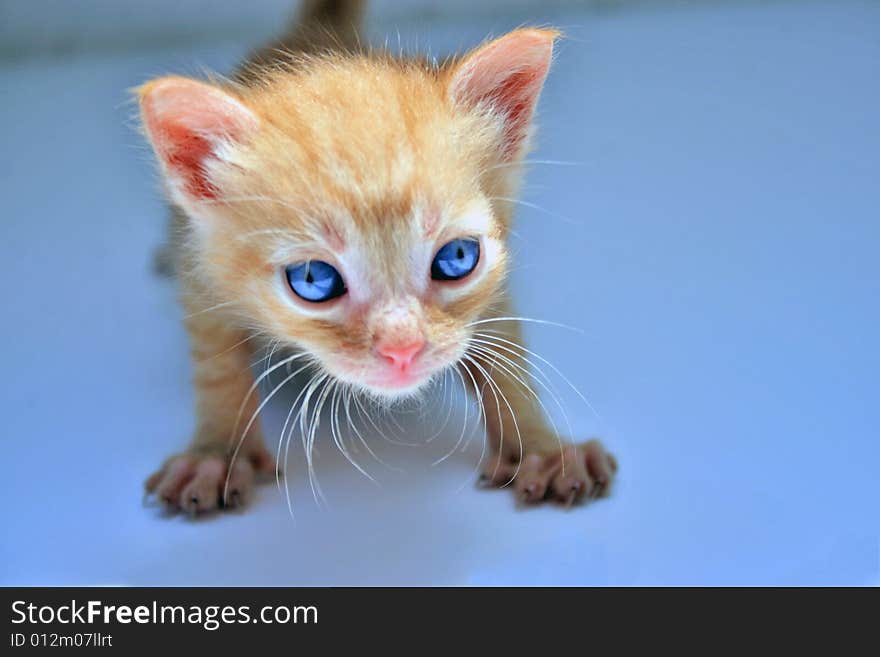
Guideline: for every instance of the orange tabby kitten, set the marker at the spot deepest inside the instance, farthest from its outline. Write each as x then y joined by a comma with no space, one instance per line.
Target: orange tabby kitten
349,206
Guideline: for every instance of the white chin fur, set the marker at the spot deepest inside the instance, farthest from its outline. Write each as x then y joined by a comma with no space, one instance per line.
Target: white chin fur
396,394
390,395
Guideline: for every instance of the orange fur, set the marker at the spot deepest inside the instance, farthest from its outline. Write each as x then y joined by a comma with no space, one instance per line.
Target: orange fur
361,160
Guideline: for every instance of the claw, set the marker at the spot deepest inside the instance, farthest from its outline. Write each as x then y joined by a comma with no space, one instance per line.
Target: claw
527,495
193,483
588,474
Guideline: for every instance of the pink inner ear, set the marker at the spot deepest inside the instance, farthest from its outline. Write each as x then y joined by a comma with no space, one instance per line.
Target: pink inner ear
187,121
508,73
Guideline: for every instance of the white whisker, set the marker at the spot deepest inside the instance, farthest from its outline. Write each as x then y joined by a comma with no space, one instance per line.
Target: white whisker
228,349
216,306
308,435
551,366
336,433
561,163
535,395
463,426
285,442
351,424
534,207
247,428
490,320
241,408
493,384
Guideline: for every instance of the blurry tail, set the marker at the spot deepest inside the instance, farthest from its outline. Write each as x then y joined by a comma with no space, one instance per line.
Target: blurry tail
319,26
325,24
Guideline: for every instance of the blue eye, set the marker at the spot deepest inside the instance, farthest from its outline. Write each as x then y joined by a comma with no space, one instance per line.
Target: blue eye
455,259
315,280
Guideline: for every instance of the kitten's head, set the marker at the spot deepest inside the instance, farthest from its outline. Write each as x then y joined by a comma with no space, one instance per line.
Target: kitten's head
354,206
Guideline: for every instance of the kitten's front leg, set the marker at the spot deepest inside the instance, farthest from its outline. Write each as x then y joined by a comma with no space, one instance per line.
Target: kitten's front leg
195,480
524,449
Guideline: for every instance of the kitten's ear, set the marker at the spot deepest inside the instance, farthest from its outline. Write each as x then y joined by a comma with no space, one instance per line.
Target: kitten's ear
506,75
191,125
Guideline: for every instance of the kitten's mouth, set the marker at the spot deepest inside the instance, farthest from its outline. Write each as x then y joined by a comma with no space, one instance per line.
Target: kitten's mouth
397,381
392,382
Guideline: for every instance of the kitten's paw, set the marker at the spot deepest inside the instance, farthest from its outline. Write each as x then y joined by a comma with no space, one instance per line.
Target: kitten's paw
573,474
195,481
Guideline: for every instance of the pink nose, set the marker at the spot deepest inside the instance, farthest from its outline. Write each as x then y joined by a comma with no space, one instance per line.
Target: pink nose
401,355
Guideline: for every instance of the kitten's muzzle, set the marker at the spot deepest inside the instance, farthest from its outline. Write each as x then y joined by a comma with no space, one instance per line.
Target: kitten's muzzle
400,355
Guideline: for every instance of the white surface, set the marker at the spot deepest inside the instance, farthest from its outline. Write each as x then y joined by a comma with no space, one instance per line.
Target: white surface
721,254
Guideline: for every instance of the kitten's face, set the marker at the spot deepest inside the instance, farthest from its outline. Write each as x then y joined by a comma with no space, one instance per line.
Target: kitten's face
351,209
350,181
388,326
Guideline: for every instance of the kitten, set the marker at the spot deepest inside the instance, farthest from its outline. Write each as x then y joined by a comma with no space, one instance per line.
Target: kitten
349,206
